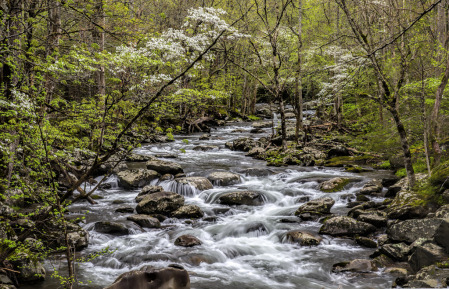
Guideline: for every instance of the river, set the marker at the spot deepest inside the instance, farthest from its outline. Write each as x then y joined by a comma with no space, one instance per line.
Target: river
233,254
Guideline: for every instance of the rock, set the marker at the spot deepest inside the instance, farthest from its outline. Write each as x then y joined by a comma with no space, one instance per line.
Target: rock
200,183
54,236
334,185
445,196
382,261
30,271
355,169
166,156
180,175
115,228
374,218
366,242
257,172
160,203
224,178
425,252
345,226
145,221
6,210
382,240
131,179
353,204
265,124
164,167
244,144
257,130
362,198
358,265
397,252
165,278
205,148
442,212
125,210
303,238
398,272
411,230
338,151
239,130
255,152
148,190
188,211
132,157
229,145
372,187
402,185
439,177
212,219
220,211
5,281
166,177
388,182
248,198
205,137
317,206
406,206
187,241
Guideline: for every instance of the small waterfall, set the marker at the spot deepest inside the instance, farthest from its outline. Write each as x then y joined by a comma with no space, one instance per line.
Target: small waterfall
180,188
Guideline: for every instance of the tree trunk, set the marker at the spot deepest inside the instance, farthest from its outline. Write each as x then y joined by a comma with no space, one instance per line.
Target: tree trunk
298,86
283,126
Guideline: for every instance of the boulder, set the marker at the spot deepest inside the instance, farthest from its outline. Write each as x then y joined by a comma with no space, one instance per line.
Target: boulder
382,261
257,172
224,178
205,137
338,151
402,185
345,226
248,198
411,230
442,212
257,130
406,206
376,219
30,271
358,265
398,272
382,240
317,206
372,187
200,183
362,198
160,203
334,185
54,235
397,252
164,167
425,252
220,211
303,238
188,212
166,156
239,130
205,148
145,221
166,177
135,178
132,157
165,278
255,152
244,144
125,209
187,241
365,242
148,190
116,228
229,145
264,124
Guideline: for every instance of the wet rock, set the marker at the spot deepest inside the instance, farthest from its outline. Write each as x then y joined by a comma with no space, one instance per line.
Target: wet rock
132,157
334,185
248,198
205,137
264,124
345,226
148,190
187,241
220,211
135,178
229,145
166,177
388,182
425,252
382,261
212,219
244,144
358,265
382,240
303,199
362,198
372,187
257,172
411,230
145,221
224,178
255,152
115,228
398,252
317,206
338,151
355,169
239,130
180,175
160,203
187,212
353,204
164,167
377,219
166,156
303,238
257,227
165,278
205,148
257,130
398,272
200,183
30,271
126,209
366,242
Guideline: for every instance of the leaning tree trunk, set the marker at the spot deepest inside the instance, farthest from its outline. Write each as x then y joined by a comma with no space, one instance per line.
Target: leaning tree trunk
283,126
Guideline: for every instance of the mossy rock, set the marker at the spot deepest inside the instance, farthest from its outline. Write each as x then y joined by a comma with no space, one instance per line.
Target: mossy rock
347,160
440,176
355,169
334,185
96,197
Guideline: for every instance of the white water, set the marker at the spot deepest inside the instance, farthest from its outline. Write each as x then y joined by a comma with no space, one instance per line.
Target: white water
245,248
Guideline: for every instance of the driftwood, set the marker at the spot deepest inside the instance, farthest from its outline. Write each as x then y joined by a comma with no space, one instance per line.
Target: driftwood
199,121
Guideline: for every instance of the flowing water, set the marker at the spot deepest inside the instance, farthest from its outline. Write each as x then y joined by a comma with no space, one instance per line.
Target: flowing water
245,247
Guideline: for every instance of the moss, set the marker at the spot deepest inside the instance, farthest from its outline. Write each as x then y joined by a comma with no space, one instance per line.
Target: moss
338,187
355,169
96,197
440,176
348,160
